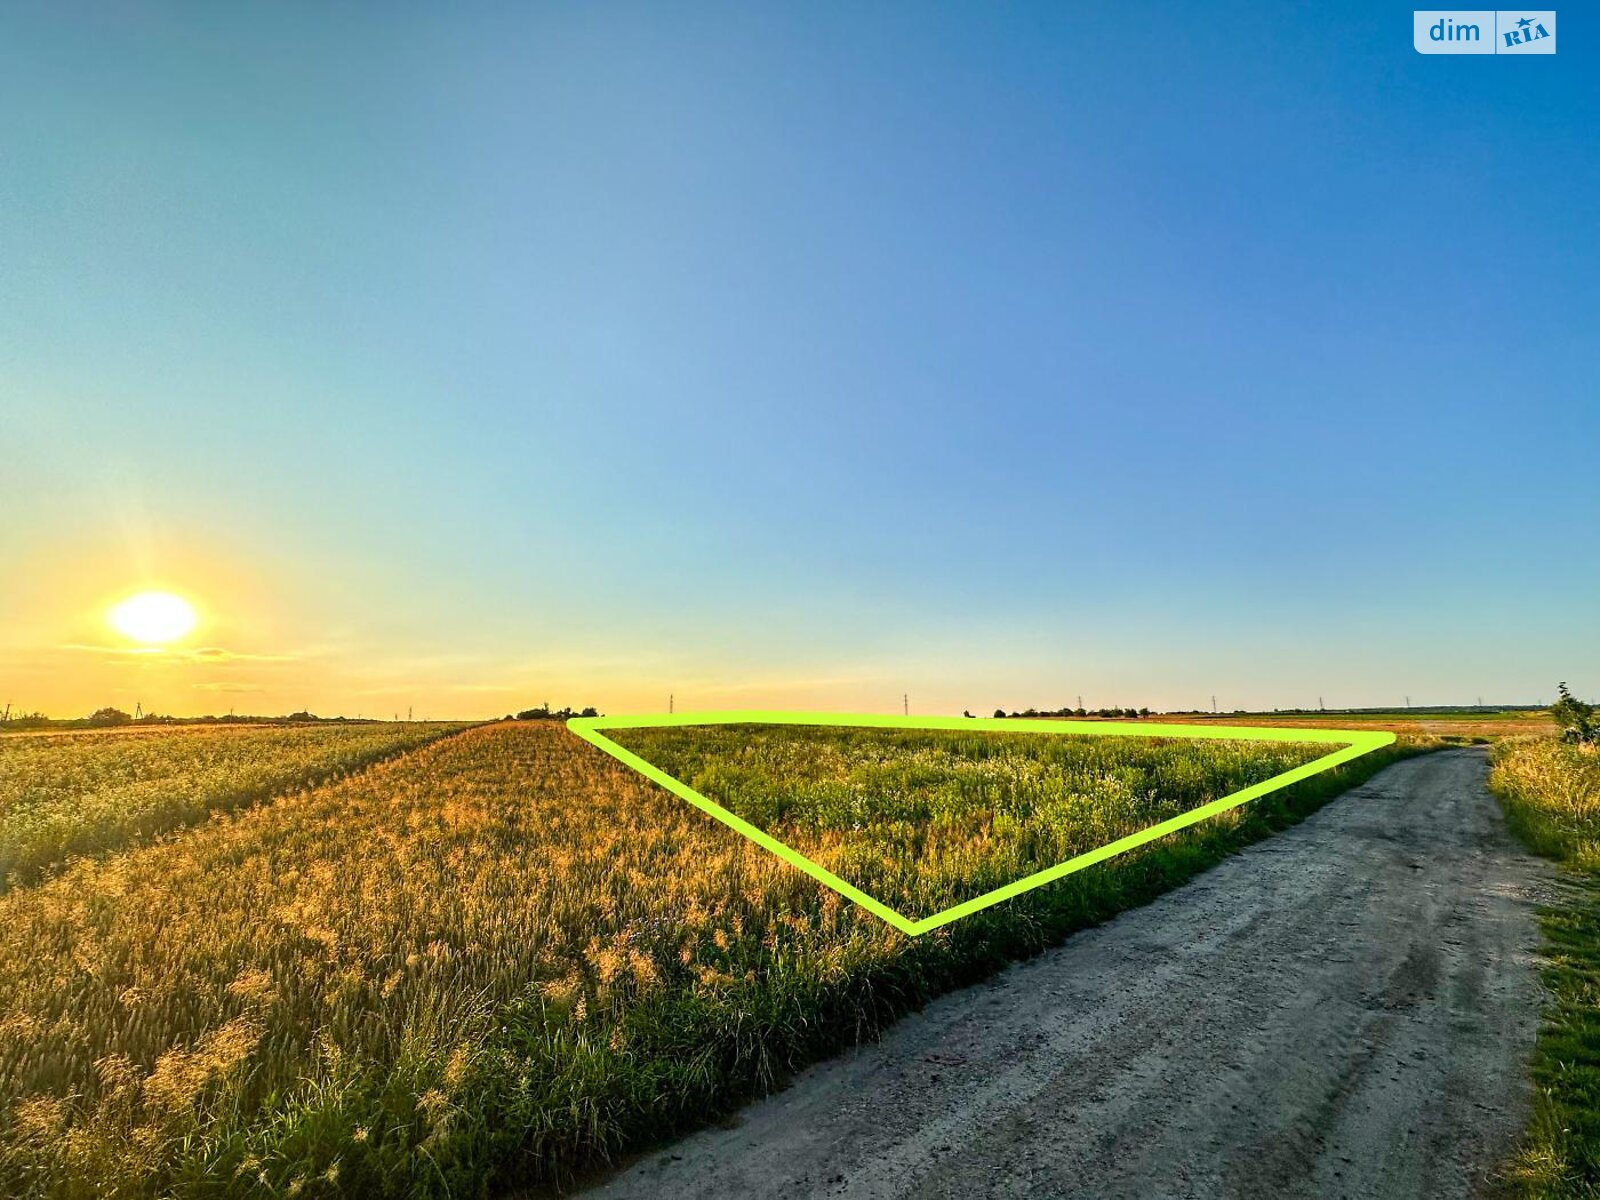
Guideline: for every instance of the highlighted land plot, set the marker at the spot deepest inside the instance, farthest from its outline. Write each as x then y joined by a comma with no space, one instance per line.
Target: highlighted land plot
1178,762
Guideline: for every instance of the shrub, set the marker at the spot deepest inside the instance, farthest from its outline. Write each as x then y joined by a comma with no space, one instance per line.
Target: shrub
1574,718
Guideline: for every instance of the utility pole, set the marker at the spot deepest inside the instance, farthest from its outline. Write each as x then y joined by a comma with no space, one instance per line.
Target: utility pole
905,702
671,702
408,712
1408,701
1321,707
1213,705
1080,700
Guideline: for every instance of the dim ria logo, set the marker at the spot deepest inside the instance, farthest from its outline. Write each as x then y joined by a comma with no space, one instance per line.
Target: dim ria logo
1471,31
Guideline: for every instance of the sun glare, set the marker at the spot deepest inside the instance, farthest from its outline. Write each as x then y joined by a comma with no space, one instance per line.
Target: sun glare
153,618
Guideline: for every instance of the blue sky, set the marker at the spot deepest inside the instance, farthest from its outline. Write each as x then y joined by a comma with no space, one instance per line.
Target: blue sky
799,356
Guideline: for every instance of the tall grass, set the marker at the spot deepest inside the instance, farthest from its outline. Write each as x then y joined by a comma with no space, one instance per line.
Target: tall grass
80,793
924,819
1551,795
492,962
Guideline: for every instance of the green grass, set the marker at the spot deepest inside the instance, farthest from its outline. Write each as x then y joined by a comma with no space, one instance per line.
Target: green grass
925,819
1551,795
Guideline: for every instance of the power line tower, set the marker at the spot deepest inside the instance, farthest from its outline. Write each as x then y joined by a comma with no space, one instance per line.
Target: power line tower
905,703
671,703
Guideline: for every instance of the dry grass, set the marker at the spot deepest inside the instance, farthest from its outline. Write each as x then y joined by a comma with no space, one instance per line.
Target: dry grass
1471,727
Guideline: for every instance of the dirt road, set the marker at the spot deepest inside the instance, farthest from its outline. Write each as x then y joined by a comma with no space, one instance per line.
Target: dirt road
1346,1009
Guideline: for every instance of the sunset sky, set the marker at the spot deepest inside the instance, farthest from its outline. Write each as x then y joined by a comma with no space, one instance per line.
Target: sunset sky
794,357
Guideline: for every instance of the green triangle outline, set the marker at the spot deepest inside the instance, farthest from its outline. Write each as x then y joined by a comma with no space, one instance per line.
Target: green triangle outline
1355,743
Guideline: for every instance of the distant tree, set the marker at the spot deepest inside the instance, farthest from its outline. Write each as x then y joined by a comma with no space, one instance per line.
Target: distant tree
965,713
109,716
1574,718
545,713
999,712
302,715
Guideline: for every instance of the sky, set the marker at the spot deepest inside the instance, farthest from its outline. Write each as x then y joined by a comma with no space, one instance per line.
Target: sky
460,358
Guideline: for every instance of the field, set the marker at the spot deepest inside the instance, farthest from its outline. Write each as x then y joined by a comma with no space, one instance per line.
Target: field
79,793
503,957
923,820
1474,726
1551,795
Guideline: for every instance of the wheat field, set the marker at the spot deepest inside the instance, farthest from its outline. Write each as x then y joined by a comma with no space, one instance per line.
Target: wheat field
492,961
78,793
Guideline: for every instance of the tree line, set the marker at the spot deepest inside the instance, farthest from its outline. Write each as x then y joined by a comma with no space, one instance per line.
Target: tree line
545,713
1124,713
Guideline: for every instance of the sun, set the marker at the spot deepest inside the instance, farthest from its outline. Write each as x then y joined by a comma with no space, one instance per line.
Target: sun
153,618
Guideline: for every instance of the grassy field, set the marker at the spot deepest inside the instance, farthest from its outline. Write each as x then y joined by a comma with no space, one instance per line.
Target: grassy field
923,820
80,793
489,962
1551,794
